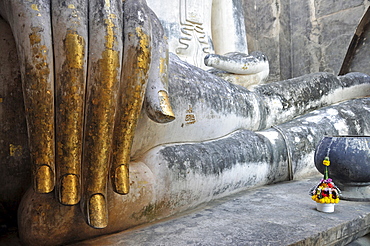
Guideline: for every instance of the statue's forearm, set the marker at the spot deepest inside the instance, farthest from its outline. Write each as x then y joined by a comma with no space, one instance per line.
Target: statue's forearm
228,24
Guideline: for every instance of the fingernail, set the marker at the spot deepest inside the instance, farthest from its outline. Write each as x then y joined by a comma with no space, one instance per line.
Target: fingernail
98,214
165,104
44,179
69,189
121,179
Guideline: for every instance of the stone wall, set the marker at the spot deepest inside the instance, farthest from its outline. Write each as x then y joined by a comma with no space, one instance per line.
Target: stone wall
302,37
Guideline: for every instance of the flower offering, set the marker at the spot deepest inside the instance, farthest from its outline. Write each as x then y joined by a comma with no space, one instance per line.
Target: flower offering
325,192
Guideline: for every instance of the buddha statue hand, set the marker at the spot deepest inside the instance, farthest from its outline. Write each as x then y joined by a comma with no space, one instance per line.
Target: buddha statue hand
85,67
238,63
250,68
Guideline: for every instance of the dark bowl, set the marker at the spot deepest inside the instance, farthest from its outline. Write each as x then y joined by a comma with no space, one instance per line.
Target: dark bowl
349,158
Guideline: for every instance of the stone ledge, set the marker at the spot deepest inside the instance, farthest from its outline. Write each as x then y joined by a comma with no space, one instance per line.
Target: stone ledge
279,214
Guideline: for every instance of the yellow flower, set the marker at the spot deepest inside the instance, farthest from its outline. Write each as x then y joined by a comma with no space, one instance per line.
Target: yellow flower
326,162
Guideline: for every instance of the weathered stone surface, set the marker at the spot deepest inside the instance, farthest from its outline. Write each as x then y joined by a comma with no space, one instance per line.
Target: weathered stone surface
361,62
336,34
327,7
281,214
302,37
285,52
262,20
